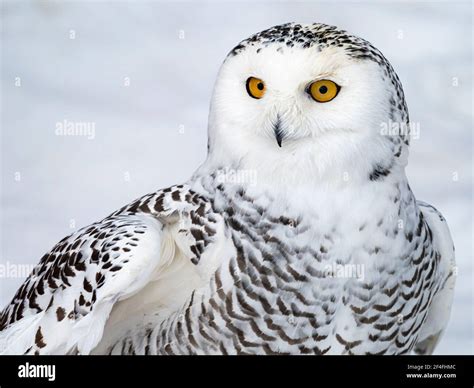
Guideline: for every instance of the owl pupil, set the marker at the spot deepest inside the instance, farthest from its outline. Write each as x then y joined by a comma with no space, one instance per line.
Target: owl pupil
323,89
260,86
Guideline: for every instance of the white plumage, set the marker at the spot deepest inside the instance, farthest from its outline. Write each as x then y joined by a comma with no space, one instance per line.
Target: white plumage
257,252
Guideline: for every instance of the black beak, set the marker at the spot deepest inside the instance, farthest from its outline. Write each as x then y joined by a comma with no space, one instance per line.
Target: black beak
278,131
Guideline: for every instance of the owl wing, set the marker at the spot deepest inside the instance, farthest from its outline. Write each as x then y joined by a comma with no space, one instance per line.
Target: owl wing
440,308
63,305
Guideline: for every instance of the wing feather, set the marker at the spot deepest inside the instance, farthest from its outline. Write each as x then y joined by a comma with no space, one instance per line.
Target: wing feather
81,279
440,309
64,304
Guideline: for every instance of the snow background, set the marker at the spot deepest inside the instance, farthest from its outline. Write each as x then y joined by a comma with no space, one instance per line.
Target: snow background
67,182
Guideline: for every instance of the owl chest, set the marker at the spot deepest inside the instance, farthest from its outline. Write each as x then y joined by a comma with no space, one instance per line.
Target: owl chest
300,276
341,243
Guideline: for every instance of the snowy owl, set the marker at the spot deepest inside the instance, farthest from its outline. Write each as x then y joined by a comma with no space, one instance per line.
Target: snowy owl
299,234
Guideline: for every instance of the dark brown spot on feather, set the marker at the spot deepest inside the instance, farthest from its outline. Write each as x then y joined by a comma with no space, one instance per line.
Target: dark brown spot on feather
39,339
60,313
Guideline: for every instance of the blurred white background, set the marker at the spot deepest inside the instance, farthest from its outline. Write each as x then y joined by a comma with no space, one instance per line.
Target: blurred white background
143,73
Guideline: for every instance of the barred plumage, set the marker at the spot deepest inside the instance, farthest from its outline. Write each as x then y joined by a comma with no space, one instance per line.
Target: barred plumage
321,248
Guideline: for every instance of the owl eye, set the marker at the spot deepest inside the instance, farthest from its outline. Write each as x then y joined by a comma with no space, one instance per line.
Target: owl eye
255,87
323,90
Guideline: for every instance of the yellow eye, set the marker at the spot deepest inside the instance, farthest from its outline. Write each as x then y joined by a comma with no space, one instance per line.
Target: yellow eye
323,90
255,87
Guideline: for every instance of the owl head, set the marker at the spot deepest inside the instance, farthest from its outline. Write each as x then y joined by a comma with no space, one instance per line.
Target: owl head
308,102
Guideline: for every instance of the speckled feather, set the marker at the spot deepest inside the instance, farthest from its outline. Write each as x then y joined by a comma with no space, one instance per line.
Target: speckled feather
216,266
273,295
